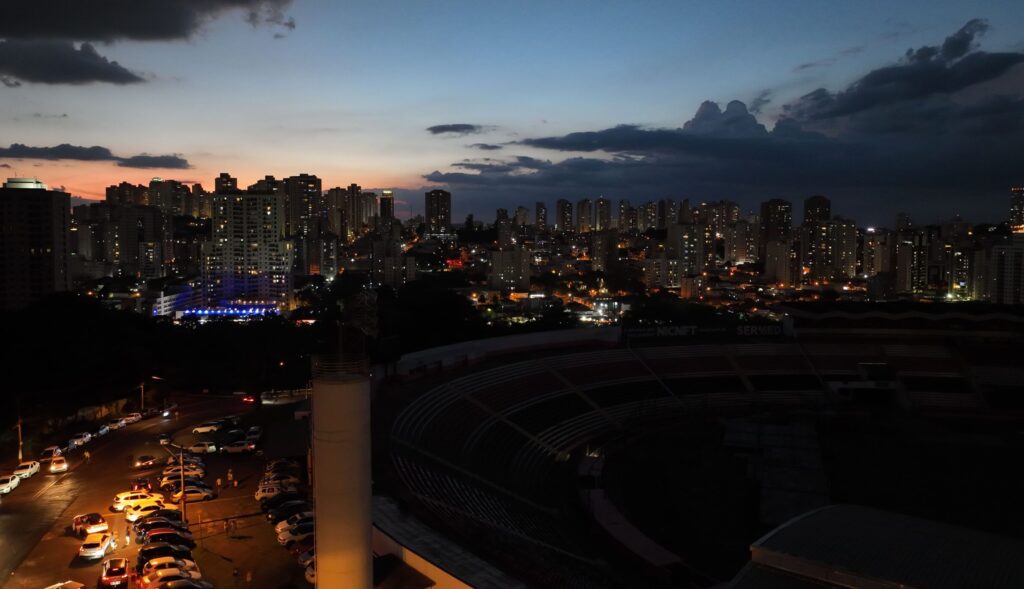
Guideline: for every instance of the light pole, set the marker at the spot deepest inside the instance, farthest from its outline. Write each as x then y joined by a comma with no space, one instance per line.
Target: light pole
181,464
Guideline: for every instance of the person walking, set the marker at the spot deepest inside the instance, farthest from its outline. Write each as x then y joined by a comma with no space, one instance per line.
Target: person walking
218,485
127,535
88,457
231,476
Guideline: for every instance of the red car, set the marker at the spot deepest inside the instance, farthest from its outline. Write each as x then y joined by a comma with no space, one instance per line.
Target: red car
141,484
301,546
115,573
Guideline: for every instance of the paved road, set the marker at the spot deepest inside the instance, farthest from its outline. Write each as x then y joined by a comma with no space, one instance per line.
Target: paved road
34,547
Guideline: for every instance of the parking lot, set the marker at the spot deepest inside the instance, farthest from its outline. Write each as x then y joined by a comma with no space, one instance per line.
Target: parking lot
35,519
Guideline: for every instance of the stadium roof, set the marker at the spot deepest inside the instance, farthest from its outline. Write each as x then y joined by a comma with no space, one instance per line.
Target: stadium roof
853,546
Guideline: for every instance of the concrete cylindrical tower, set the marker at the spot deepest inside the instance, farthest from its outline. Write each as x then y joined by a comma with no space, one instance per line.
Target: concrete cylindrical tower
341,476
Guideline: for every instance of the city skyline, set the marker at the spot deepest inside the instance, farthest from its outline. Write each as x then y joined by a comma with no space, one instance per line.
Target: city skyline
612,116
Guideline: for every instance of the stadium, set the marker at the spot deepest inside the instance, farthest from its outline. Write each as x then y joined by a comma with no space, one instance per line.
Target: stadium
656,458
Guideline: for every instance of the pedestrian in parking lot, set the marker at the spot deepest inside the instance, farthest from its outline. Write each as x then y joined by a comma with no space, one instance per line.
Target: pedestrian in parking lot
234,574
88,457
231,476
218,484
248,577
227,527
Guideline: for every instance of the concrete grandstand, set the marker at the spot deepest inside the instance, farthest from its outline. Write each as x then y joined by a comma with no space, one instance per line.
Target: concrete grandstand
497,444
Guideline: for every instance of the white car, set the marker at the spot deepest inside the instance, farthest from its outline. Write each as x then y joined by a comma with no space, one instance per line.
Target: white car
144,508
202,448
128,499
169,562
8,483
270,491
255,432
80,439
190,471
295,534
58,464
133,417
97,546
116,423
27,469
298,518
193,494
161,576
239,447
206,428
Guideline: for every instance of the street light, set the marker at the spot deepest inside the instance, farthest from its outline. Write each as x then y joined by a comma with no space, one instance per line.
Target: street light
181,464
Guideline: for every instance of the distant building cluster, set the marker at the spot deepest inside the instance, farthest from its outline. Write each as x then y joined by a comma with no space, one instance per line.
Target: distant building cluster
168,248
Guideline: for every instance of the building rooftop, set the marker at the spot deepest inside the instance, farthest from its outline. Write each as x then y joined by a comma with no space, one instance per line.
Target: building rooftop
853,546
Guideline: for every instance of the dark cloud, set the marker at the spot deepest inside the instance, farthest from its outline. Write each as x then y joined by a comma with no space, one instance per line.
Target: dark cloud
456,129
139,20
763,98
486,146
154,161
921,133
60,62
96,153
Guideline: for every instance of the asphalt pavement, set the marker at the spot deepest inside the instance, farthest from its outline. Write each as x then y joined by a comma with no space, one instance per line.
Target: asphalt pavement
35,547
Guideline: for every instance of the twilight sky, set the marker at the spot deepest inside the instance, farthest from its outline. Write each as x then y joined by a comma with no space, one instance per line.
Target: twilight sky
884,106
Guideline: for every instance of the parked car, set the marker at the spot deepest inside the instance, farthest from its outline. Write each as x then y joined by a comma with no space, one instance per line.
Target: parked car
189,470
306,557
133,417
49,452
58,464
169,537
239,447
172,483
159,524
286,510
299,518
97,546
202,448
116,423
27,469
158,549
169,513
159,577
133,498
207,428
146,461
189,459
103,430
311,573
144,509
169,562
281,463
280,499
8,483
114,573
271,490
297,548
254,433
281,479
88,523
295,533
192,494
140,484
80,439
185,584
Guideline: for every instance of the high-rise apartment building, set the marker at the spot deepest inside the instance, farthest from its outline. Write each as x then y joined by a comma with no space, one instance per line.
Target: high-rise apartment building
817,209
510,269
843,248
170,196
686,244
438,212
602,214
540,212
584,216
522,217
563,212
776,224
740,242
127,193
1017,208
248,257
128,239
1006,272
387,204
35,227
225,184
